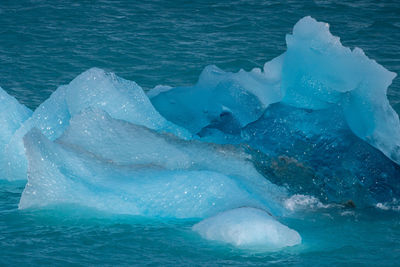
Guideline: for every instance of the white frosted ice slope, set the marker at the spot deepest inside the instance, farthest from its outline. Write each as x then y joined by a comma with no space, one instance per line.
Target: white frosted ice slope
95,88
138,171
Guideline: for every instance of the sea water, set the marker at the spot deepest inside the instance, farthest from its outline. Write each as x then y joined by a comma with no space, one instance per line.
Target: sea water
47,44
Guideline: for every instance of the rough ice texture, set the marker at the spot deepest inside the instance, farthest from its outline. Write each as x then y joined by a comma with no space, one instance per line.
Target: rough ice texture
312,118
138,171
12,116
318,72
316,120
326,107
248,228
122,99
315,73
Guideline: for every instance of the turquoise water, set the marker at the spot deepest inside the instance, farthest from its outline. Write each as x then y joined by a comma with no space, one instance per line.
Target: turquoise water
47,44
72,235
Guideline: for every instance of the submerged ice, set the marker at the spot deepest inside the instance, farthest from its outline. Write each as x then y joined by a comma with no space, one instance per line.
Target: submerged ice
231,149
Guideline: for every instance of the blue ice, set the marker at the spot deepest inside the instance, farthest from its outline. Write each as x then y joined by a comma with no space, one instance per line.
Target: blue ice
326,106
141,172
316,73
315,120
95,88
12,116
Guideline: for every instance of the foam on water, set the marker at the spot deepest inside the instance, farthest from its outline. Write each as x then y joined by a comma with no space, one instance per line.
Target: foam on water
303,202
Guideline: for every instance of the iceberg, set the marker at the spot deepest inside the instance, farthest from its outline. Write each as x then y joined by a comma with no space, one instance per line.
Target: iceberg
94,88
314,121
313,129
139,171
248,228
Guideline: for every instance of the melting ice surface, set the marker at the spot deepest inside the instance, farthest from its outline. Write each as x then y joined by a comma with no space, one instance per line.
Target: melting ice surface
315,73
231,149
141,172
322,105
248,228
94,88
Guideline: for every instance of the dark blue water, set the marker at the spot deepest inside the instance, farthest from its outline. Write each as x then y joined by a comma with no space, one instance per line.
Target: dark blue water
45,44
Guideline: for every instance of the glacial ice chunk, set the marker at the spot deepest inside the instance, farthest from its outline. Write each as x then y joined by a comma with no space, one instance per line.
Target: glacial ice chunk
95,88
317,112
122,99
138,171
318,72
315,73
248,228
230,99
333,124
